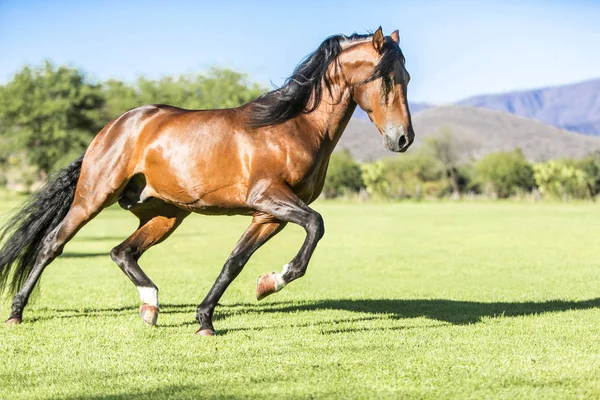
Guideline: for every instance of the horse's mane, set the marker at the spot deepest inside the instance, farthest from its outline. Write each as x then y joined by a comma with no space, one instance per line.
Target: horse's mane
294,96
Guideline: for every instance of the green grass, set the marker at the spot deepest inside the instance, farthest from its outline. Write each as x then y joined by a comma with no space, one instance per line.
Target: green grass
433,300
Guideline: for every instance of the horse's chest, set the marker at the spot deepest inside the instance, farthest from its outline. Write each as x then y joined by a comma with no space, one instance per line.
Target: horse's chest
310,180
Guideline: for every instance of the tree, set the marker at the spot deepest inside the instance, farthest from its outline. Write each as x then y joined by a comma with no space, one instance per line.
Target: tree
507,171
590,165
450,152
343,174
119,97
413,175
216,88
560,180
372,176
49,111
224,88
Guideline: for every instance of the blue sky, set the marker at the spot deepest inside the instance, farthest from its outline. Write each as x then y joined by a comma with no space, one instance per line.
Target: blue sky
454,49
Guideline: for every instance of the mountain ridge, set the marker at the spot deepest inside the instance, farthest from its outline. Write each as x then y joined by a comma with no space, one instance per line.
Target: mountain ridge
574,107
481,131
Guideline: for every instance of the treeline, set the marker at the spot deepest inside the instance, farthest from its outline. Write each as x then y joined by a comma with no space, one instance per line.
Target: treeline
438,170
49,113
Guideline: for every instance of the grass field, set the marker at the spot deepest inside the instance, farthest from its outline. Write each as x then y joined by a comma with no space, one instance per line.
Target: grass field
432,300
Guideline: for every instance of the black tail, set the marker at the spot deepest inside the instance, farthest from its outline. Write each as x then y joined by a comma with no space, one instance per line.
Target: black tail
26,229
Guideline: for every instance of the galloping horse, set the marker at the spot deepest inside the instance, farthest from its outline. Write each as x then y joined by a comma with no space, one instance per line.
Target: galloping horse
267,159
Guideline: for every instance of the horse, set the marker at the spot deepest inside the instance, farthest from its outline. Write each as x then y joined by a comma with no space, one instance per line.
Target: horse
266,159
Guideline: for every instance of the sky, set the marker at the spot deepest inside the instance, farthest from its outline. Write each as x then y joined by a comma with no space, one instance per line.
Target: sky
453,49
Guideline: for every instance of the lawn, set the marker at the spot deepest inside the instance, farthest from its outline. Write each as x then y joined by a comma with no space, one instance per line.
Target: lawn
432,300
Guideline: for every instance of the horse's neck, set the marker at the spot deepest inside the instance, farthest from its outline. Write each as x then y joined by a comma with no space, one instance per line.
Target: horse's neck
330,118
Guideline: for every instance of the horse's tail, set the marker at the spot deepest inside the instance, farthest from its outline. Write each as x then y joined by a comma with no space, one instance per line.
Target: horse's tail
24,233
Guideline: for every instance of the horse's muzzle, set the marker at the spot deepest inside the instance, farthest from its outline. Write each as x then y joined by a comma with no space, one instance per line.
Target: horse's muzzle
397,139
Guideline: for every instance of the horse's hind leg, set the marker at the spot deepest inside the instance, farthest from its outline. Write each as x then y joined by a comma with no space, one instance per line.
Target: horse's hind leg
53,245
156,224
93,193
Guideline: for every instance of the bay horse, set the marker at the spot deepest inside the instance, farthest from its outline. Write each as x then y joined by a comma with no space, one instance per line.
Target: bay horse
267,159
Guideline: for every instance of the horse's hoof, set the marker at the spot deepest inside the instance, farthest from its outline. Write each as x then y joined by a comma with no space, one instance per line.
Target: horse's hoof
205,332
149,314
14,321
266,285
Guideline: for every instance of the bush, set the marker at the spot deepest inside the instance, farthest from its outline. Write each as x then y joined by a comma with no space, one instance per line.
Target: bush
590,165
451,153
343,175
373,178
507,171
557,179
420,175
407,174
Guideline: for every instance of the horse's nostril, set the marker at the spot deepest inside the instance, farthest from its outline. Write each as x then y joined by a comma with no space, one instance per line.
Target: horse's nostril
402,141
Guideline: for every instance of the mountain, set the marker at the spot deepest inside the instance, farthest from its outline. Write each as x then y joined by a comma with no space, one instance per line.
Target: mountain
573,107
480,131
414,108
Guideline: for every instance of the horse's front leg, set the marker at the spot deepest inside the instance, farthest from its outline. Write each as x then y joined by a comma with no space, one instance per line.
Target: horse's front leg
262,228
283,204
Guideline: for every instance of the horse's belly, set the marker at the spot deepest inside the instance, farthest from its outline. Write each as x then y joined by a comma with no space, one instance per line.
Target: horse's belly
203,175
202,193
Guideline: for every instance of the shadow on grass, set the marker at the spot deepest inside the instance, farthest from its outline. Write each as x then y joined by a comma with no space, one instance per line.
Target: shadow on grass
450,311
198,392
120,238
113,238
202,392
83,255
168,392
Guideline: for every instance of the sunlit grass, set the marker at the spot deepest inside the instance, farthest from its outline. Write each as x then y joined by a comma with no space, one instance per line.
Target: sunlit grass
466,300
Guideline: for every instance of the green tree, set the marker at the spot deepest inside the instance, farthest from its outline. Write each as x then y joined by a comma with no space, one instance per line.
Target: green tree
450,151
223,88
507,171
414,175
49,111
343,174
215,88
590,165
119,97
373,178
557,179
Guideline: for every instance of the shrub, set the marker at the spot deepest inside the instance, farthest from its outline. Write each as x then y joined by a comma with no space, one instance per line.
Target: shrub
590,165
507,171
406,174
557,179
373,178
343,175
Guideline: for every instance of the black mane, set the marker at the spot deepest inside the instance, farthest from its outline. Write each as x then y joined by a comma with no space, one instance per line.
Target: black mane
294,97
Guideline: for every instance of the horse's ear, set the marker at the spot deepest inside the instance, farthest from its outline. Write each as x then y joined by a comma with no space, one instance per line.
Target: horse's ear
395,36
378,40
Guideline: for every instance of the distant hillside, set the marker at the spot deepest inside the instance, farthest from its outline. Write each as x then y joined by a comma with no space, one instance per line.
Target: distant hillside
486,131
414,109
573,107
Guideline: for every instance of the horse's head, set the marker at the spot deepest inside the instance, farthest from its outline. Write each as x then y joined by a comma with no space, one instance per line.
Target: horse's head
379,84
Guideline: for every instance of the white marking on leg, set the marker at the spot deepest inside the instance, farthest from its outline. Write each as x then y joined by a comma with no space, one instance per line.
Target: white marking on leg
279,281
149,295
